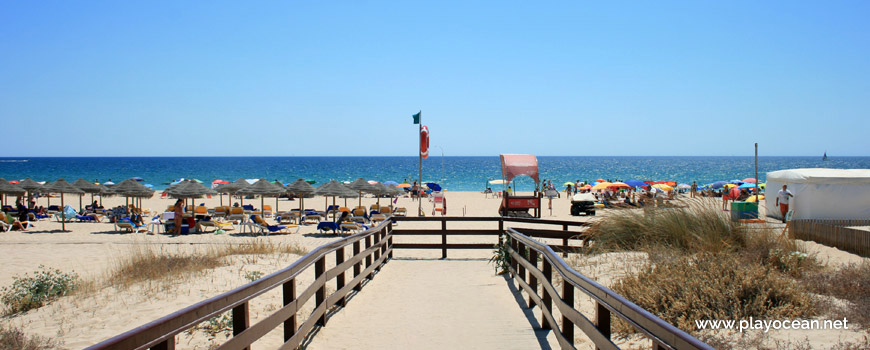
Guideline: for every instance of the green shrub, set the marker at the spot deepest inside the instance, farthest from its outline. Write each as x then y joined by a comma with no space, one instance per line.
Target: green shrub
501,257
220,324
714,286
43,287
253,275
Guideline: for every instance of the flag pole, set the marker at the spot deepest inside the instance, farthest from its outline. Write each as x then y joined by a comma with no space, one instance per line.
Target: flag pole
420,162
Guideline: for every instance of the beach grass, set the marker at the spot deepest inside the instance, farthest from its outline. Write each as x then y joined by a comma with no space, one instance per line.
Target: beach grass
704,266
157,263
14,339
850,283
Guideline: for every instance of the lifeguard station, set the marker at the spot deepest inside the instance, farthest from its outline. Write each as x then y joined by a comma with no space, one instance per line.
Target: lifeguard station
513,204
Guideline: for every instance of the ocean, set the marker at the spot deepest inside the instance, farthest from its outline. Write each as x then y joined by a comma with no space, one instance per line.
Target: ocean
453,173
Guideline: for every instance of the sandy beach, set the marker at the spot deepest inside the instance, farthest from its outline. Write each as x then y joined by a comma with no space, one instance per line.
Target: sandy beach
92,250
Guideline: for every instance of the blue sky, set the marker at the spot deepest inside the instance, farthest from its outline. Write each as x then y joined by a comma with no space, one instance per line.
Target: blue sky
293,78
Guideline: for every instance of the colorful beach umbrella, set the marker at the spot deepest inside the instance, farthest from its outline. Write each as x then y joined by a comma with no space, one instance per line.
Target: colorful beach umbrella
635,183
663,187
601,185
619,185
749,179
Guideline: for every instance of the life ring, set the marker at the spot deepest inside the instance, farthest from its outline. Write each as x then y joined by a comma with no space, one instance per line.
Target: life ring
424,142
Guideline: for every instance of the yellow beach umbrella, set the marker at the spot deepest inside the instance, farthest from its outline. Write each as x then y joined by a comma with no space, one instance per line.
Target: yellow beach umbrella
663,187
619,185
754,199
730,185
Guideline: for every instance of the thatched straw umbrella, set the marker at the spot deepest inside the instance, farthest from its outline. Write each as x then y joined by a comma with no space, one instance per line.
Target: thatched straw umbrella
7,188
31,187
264,188
300,188
88,187
236,186
105,191
230,188
379,190
361,185
189,189
132,188
62,186
332,188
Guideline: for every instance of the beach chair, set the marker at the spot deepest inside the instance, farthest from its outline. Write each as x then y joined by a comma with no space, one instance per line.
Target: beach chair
127,226
312,217
200,210
220,212
350,226
400,211
359,215
267,211
5,227
237,214
216,225
386,211
327,226
378,218
264,227
375,207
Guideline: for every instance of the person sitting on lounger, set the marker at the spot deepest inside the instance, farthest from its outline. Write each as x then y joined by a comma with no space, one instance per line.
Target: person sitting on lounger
10,220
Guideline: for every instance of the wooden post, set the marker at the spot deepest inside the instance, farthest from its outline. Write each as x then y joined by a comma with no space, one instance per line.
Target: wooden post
241,320
168,344
533,281
320,295
521,271
514,260
390,240
375,240
565,241
602,319
339,280
548,300
289,296
368,256
568,298
356,267
443,238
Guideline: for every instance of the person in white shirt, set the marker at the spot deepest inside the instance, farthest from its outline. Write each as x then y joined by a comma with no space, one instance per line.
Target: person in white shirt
782,199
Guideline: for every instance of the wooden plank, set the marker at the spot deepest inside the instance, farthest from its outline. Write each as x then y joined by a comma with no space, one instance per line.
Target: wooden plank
258,330
438,246
456,232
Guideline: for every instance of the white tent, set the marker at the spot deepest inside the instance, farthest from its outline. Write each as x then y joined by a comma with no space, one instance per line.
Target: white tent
821,193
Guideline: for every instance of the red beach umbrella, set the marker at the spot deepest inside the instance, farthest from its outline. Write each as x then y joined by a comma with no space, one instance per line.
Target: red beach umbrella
750,180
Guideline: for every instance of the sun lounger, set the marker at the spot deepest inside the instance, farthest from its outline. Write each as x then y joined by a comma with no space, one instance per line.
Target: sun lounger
264,227
237,213
327,226
401,211
128,226
217,225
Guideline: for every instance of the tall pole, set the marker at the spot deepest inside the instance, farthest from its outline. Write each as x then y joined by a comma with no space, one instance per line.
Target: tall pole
420,168
757,195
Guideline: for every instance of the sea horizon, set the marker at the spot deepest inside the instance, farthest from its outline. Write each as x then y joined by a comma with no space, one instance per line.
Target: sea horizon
455,173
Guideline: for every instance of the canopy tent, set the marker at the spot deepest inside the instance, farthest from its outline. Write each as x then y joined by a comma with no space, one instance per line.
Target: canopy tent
513,165
821,193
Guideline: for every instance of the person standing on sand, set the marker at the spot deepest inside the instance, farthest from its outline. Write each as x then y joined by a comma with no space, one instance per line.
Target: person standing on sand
782,200
694,188
725,198
179,213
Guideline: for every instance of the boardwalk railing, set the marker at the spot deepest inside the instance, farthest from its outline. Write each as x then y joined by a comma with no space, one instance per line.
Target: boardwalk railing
833,233
525,255
564,233
371,248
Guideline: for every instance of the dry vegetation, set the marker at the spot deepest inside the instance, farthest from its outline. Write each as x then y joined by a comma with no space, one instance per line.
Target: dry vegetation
703,266
150,263
15,339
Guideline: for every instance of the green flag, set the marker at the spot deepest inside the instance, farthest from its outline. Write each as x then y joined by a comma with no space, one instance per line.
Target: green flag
417,117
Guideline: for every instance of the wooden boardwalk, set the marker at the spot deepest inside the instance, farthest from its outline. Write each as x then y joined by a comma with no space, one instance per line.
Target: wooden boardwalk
434,304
